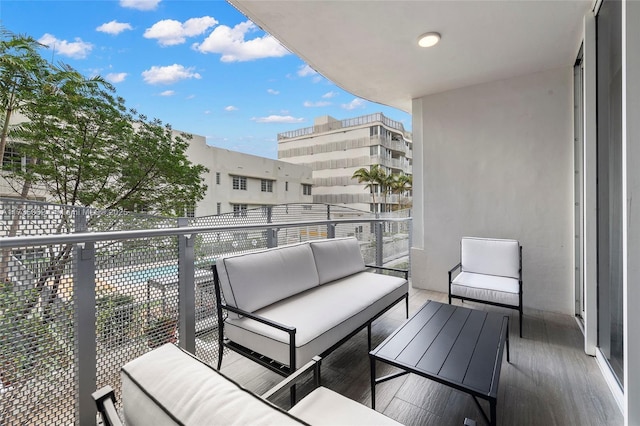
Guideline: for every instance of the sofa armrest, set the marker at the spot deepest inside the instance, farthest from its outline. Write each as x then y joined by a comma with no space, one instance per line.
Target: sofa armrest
258,318
292,380
105,399
405,272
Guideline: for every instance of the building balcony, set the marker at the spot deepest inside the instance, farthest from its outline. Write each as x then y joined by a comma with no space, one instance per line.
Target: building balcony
70,320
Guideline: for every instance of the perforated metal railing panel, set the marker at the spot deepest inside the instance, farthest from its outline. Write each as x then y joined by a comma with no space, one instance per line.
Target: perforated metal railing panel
134,291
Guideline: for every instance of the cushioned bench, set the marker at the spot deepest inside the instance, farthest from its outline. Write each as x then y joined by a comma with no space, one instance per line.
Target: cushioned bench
287,304
490,272
169,386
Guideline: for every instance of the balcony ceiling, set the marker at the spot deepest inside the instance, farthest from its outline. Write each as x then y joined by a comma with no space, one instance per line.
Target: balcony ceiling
369,47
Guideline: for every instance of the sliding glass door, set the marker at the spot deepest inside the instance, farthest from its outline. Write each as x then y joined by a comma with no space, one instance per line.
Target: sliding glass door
610,197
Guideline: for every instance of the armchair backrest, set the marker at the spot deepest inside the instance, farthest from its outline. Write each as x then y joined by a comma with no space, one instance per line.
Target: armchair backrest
490,256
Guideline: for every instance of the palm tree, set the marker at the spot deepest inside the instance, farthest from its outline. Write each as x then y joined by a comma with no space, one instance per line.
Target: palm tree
371,177
386,186
401,185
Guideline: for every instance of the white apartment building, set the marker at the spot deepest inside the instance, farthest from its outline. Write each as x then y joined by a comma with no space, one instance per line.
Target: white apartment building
335,149
237,182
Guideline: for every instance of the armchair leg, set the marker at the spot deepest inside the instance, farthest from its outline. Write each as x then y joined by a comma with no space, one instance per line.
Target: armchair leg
521,322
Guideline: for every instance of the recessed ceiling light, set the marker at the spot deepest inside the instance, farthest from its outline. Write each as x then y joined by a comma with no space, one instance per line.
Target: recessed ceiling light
428,39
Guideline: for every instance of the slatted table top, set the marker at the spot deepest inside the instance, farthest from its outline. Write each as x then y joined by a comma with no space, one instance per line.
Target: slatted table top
453,345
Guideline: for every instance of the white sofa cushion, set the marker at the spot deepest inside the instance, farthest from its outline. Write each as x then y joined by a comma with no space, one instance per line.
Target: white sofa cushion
254,280
491,288
322,316
169,387
337,258
326,407
490,256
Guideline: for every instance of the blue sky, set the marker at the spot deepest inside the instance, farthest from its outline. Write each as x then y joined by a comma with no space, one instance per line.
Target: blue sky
201,66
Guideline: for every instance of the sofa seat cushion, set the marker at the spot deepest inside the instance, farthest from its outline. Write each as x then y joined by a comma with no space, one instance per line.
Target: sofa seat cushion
486,287
322,316
168,386
261,278
326,407
337,258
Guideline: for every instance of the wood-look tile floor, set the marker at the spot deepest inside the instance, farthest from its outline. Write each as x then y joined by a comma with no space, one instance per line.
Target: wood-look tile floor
550,380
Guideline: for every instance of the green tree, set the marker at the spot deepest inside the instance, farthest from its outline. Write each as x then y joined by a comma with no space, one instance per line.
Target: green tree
21,72
401,185
87,149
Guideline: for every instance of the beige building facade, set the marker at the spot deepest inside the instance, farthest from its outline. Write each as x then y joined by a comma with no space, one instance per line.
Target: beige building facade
335,149
237,182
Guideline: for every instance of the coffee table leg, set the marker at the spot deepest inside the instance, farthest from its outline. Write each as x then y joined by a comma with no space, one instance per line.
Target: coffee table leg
492,407
372,361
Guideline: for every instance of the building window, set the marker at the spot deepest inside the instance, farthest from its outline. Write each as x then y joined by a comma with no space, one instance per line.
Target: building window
218,208
240,182
190,211
306,189
286,186
266,185
239,210
217,178
307,207
265,211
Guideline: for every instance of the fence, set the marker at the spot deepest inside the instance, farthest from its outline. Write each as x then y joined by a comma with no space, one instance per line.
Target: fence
85,291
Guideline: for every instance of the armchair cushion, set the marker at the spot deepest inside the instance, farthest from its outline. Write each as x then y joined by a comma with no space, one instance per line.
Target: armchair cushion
490,256
189,392
325,407
490,288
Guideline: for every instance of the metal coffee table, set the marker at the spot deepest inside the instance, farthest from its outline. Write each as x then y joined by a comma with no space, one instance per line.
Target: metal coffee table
456,346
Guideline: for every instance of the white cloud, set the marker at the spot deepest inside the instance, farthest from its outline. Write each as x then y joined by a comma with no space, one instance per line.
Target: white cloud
114,27
278,119
354,104
169,74
231,44
310,104
168,93
273,92
330,95
170,32
230,108
140,4
306,70
116,77
77,49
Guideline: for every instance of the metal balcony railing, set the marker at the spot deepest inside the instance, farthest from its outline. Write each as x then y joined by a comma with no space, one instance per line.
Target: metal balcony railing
85,291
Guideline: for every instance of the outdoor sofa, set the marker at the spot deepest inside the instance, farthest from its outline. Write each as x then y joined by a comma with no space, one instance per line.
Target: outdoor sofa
169,386
283,306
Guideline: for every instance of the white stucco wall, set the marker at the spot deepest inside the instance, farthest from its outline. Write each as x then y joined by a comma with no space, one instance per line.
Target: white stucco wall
497,161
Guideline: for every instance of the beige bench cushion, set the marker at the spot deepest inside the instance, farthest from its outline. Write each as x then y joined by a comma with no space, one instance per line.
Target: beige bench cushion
322,316
168,386
326,407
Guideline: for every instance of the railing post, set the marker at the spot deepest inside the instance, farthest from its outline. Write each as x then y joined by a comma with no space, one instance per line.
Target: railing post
410,240
186,289
272,237
379,226
85,307
328,211
331,230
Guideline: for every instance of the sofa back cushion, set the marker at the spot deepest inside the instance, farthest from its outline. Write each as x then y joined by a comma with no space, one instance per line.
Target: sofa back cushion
168,386
337,258
251,281
490,256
